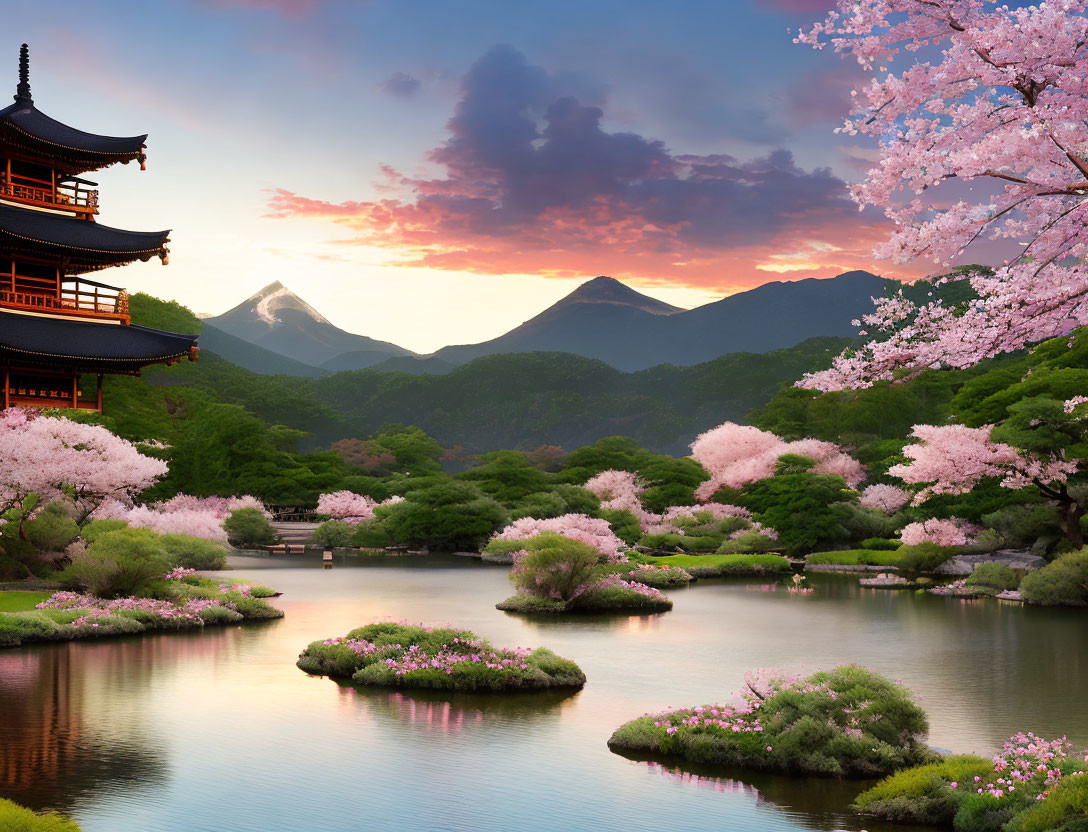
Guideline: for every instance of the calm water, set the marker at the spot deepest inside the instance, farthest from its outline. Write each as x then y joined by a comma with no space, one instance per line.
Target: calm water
220,731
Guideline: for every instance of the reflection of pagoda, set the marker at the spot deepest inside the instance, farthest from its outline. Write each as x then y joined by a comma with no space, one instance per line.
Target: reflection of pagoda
55,324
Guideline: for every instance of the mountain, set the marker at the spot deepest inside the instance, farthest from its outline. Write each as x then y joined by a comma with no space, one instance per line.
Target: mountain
278,320
251,357
606,320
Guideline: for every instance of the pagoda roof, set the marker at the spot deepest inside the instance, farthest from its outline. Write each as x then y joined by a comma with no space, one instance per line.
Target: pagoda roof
88,346
25,126
82,245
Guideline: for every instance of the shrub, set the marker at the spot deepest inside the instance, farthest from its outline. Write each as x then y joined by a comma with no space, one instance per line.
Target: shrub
14,818
52,528
95,528
118,563
402,655
555,566
621,596
747,543
252,608
923,557
682,542
193,552
924,794
712,566
333,533
1063,582
540,504
371,536
882,543
15,629
1023,524
1064,810
248,528
220,615
624,525
993,575
847,721
448,515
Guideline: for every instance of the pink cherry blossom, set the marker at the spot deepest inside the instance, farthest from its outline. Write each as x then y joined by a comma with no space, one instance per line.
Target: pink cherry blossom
983,139
886,498
347,506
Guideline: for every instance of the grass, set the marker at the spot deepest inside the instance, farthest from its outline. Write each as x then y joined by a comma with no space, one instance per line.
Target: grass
21,601
14,818
856,557
612,599
469,665
923,794
711,566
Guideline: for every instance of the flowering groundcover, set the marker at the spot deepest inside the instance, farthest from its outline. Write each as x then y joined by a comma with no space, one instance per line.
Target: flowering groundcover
847,722
389,654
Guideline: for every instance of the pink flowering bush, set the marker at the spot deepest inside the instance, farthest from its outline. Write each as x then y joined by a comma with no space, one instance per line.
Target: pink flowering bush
951,532
347,506
735,455
589,530
391,654
1005,792
847,722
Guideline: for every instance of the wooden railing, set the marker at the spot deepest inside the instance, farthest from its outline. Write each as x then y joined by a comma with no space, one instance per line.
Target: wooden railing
67,198
89,302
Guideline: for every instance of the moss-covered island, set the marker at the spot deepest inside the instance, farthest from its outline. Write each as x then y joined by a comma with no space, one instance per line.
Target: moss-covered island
1030,785
555,574
15,818
847,722
403,655
180,600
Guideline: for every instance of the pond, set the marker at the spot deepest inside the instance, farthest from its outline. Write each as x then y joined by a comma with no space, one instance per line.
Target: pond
219,731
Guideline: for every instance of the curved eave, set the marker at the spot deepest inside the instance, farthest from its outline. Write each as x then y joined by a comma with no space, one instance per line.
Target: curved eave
89,347
76,150
81,245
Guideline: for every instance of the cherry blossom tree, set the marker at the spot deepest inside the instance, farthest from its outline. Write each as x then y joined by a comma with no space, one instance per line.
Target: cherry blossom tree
995,104
953,459
950,532
735,455
590,530
347,506
59,459
886,498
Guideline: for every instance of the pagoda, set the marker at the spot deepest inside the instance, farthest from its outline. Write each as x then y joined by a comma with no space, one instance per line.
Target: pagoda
56,325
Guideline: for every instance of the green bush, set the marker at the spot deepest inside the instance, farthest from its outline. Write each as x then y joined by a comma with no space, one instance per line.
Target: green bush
11,569
1064,810
95,528
370,535
672,541
923,794
555,566
624,525
52,528
993,575
847,722
881,543
193,552
14,818
619,599
252,608
541,504
119,563
747,543
923,557
28,626
1063,582
363,655
248,528
333,533
1023,524
448,515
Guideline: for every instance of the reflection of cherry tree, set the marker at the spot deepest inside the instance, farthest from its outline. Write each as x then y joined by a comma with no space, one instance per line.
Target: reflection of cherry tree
1002,102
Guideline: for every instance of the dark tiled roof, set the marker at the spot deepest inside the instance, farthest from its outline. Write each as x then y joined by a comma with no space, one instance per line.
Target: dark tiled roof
38,339
27,225
24,117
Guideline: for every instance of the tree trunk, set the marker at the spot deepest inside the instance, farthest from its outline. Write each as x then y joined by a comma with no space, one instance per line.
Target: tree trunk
1069,515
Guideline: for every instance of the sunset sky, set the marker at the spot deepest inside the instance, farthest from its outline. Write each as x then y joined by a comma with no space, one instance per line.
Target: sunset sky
437,172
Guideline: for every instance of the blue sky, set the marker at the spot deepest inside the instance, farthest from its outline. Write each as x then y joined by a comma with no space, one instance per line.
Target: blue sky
373,155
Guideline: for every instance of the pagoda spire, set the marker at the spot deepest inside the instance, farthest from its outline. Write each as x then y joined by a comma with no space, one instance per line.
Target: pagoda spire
22,92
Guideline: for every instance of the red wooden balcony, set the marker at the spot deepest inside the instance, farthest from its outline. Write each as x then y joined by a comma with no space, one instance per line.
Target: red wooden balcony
64,197
80,299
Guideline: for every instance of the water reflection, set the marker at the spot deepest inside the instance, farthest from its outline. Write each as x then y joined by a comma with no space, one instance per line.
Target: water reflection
434,712
65,736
